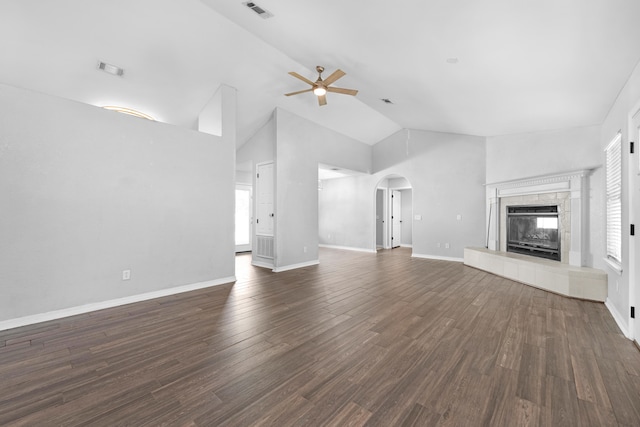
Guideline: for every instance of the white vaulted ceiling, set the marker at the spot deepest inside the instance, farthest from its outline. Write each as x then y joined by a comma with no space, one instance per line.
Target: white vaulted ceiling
520,65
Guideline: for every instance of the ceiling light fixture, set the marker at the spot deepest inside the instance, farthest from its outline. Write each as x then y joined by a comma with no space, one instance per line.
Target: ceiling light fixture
111,69
129,111
319,90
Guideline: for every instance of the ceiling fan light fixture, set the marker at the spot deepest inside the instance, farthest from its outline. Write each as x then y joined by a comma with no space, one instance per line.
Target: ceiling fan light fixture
319,90
320,87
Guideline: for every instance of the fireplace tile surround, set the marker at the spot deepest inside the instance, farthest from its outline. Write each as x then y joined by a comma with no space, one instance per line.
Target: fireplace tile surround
569,191
570,276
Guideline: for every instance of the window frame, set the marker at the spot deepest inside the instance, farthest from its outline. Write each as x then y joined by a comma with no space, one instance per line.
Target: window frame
613,203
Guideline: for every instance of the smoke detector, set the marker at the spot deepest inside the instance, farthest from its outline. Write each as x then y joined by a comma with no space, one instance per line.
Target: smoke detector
262,13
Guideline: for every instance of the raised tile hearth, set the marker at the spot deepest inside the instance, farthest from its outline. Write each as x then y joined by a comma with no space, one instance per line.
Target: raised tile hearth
564,279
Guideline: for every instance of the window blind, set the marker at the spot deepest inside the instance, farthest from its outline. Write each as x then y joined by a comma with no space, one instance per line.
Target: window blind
613,154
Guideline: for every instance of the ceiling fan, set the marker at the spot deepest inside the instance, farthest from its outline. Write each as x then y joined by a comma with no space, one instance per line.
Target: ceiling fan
321,87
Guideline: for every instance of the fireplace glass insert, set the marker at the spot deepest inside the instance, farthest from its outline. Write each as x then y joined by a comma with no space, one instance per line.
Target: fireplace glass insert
534,230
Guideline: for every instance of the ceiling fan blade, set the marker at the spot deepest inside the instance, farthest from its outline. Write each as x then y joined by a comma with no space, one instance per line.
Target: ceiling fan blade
341,90
300,91
304,79
322,100
333,77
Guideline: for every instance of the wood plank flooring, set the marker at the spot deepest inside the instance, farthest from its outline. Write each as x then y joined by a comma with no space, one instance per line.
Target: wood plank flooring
361,339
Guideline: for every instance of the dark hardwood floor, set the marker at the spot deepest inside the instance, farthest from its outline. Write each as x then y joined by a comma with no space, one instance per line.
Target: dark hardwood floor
361,339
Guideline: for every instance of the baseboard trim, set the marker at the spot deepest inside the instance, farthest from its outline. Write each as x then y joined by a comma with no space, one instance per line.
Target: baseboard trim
262,264
87,308
294,266
406,246
348,248
618,318
438,258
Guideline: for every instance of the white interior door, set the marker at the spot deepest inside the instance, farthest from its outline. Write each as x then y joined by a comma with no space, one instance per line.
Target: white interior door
634,218
265,214
396,218
243,218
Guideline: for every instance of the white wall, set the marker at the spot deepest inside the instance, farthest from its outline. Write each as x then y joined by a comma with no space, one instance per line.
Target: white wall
407,217
624,288
87,193
446,173
244,177
300,146
345,207
397,183
543,153
260,147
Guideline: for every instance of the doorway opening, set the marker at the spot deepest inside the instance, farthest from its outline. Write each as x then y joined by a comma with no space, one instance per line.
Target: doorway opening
393,213
244,217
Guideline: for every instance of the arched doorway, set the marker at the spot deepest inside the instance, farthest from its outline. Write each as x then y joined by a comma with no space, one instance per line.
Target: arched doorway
393,213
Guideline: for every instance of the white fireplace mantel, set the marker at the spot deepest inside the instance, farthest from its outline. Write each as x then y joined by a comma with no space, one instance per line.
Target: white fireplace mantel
574,182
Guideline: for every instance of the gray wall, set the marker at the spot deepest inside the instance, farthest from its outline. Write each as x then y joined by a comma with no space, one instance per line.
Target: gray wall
244,177
260,147
379,217
542,153
446,173
87,193
300,146
345,207
407,217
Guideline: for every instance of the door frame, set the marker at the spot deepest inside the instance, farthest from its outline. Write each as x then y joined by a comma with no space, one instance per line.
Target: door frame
392,213
247,247
386,228
634,205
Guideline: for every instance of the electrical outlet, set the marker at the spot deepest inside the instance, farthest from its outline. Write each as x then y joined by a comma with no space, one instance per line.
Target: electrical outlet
459,217
446,246
304,249
126,274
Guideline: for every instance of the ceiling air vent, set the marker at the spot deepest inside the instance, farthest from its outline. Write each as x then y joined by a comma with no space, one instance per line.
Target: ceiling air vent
111,69
263,13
